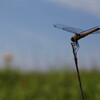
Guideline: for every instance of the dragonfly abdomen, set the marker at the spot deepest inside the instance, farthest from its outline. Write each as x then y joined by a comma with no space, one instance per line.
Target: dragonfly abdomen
79,36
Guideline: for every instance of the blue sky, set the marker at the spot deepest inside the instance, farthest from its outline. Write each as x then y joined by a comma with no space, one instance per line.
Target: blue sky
27,32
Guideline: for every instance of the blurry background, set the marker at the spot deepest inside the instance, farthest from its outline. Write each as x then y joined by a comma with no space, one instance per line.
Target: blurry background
42,55
27,33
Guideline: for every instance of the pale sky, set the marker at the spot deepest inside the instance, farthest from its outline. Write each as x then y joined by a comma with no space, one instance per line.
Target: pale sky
27,32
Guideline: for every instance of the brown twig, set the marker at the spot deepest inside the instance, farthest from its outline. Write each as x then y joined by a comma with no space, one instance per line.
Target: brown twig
75,48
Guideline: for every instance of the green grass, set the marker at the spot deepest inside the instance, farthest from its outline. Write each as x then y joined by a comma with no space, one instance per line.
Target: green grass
63,85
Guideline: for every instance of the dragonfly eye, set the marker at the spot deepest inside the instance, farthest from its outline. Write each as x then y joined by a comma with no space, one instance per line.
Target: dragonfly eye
72,39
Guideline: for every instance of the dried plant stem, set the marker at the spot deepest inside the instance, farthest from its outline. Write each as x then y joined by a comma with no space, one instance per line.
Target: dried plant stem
74,48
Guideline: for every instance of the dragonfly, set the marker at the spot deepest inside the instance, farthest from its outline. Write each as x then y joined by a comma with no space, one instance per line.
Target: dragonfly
79,33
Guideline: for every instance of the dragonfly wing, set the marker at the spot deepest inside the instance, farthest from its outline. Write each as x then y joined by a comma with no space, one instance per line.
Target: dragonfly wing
68,28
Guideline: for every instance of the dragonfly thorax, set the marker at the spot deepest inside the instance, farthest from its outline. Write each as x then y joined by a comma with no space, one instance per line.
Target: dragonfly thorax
75,38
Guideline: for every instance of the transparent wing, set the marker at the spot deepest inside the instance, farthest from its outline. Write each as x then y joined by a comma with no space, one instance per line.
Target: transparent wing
68,28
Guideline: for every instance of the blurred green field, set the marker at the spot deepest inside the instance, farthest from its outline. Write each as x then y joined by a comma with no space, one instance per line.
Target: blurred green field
52,85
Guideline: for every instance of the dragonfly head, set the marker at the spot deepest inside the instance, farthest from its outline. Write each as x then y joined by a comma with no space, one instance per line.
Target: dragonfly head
72,39
75,37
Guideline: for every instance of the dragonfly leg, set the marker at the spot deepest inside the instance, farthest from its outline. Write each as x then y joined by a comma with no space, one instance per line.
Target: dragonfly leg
76,46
